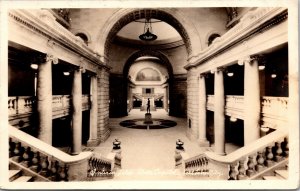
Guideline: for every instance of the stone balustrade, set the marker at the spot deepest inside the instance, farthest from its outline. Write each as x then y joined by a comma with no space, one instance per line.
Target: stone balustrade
251,161
270,106
60,101
85,102
197,165
18,105
275,106
43,161
155,95
101,167
210,102
234,102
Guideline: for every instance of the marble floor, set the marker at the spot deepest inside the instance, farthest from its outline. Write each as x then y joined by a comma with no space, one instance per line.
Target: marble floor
147,151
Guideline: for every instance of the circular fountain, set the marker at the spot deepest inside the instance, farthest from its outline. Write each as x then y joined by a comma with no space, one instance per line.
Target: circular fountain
142,124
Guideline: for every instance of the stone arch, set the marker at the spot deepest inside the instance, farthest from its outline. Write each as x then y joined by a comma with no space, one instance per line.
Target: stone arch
173,17
164,60
153,68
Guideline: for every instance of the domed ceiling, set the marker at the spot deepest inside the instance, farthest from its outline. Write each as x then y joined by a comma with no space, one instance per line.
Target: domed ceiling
164,32
148,71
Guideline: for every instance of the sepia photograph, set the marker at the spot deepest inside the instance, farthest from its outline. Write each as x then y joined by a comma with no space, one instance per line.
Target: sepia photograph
155,94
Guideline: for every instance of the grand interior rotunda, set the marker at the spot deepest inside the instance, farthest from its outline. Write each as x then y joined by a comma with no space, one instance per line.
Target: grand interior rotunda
118,94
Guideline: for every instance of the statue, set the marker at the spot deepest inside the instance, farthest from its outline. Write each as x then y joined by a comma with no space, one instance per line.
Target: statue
148,105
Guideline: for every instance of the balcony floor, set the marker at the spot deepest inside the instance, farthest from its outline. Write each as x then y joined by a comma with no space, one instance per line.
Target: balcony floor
150,149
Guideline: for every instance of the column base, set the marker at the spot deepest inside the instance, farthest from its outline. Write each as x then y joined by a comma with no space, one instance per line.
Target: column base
203,143
191,135
222,154
93,143
75,153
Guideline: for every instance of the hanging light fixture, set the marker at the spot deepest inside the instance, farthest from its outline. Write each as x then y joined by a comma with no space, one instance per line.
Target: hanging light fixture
148,35
273,74
261,66
233,119
34,66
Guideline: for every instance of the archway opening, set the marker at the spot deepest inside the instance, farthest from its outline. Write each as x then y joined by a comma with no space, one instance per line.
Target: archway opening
146,74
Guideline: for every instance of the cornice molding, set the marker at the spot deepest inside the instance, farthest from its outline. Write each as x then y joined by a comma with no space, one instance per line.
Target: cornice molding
252,24
44,23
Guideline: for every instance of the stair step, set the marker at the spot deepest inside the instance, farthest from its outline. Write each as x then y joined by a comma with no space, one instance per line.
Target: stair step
23,179
272,178
13,174
282,173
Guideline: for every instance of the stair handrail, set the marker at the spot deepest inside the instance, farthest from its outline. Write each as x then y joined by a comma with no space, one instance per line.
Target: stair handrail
249,149
77,165
232,166
46,148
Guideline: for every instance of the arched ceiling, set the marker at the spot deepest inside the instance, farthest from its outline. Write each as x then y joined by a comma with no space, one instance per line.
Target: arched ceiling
156,56
165,32
166,15
148,71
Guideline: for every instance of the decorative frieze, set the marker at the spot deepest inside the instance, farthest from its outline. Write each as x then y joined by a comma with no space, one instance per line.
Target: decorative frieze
43,22
253,23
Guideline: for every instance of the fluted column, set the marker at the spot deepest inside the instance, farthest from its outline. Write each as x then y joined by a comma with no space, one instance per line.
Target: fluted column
93,139
44,98
77,112
251,100
219,113
202,113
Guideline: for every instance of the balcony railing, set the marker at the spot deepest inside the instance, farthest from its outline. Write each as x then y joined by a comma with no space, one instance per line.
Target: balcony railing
275,106
234,102
210,102
270,106
22,105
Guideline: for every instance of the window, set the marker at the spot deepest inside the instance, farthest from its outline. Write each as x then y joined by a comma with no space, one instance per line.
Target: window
212,38
83,37
148,90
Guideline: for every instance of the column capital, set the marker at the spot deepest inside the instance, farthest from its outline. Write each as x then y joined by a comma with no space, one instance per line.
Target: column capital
244,59
203,75
51,58
260,58
220,69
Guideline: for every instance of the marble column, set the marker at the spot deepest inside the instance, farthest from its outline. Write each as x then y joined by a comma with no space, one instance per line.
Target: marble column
77,112
203,142
219,113
93,139
251,100
44,99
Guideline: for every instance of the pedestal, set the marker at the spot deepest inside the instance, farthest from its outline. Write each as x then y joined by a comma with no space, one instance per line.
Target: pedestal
148,118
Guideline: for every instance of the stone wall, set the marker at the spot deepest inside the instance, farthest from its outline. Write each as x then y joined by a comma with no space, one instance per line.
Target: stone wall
103,131
192,104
